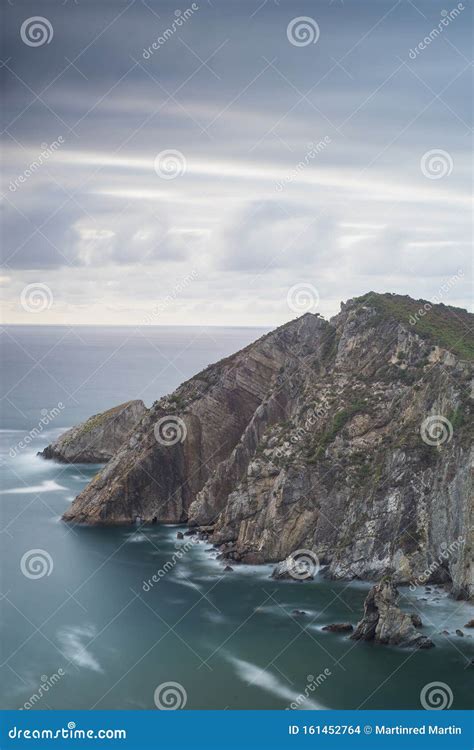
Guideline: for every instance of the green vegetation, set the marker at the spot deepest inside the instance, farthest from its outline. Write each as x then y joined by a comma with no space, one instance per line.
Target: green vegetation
341,418
449,327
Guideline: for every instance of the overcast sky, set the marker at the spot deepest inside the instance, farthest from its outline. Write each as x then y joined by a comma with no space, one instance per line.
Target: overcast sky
114,231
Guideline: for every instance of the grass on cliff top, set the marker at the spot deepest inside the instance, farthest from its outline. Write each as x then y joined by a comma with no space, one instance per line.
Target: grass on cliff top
449,327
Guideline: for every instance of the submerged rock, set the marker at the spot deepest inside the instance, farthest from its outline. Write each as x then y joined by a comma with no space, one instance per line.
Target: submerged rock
339,627
99,438
384,622
298,612
459,633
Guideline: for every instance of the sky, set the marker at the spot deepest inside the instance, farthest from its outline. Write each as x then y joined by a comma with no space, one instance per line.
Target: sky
232,162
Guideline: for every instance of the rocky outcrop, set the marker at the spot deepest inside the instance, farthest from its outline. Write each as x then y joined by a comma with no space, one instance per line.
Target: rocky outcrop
99,438
349,438
339,627
384,622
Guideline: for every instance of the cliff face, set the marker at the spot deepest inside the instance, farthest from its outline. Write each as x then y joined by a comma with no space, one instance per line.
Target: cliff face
350,438
99,438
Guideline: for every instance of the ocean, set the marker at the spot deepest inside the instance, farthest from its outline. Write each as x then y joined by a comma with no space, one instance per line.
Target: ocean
133,618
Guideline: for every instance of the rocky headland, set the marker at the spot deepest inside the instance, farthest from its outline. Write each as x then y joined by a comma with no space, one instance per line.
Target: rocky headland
351,438
99,438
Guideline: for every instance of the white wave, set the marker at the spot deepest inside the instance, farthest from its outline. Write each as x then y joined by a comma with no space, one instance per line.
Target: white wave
49,485
71,640
136,538
254,675
183,577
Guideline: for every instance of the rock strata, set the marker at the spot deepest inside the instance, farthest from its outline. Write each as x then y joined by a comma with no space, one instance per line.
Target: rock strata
384,622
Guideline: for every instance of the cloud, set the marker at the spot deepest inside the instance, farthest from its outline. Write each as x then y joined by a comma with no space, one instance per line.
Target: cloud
243,106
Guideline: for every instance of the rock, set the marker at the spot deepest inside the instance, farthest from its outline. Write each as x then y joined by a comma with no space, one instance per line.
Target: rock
339,627
180,535
228,569
459,632
281,571
277,447
469,624
384,622
298,612
290,570
98,439
416,620
191,532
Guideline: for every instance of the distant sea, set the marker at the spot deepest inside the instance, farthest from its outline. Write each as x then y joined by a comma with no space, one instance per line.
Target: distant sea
82,628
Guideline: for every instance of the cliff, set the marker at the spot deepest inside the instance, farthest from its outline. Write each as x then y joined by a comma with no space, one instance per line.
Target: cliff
351,438
99,438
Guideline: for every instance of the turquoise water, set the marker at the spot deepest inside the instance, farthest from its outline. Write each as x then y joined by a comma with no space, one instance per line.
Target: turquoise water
104,638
